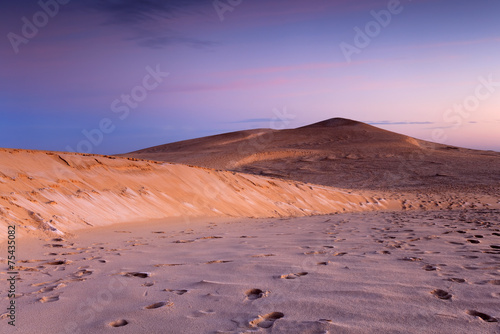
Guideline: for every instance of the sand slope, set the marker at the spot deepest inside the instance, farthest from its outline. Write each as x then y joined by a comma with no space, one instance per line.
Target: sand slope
60,192
342,153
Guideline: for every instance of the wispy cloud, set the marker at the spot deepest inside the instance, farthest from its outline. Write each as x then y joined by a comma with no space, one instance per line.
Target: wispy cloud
132,11
159,42
451,43
259,120
296,67
150,22
228,86
399,123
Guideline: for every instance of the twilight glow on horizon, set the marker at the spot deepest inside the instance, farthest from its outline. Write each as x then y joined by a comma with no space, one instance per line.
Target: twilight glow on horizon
115,76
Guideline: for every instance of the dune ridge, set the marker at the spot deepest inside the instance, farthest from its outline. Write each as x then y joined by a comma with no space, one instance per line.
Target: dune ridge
56,193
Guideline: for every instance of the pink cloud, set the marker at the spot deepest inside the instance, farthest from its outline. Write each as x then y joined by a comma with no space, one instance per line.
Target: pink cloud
228,86
453,43
297,67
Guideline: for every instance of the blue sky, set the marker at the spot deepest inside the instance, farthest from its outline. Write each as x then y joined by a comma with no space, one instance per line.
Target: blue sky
85,80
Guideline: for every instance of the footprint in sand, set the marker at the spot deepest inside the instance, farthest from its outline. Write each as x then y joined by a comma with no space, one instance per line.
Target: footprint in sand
58,262
182,241
168,264
339,253
293,276
456,280
51,288
441,294
315,253
253,294
158,305
83,273
210,237
218,261
470,256
266,321
430,267
411,259
23,268
45,283
177,292
140,274
263,255
481,315
55,245
119,323
70,253
49,299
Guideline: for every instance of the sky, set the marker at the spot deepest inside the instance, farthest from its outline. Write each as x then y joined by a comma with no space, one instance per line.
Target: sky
114,76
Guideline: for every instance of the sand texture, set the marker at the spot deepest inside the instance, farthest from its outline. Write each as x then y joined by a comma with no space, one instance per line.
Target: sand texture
419,272
59,192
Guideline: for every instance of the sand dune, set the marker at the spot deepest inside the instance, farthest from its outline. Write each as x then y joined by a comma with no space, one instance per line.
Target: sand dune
140,246
340,153
60,192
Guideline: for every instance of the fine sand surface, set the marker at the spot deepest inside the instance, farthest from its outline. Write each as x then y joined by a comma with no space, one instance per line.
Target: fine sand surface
372,272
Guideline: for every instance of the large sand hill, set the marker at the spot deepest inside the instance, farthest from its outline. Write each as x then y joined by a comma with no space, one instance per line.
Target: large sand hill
340,153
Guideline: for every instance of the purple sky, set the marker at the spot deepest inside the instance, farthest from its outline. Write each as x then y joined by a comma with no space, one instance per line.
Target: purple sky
84,79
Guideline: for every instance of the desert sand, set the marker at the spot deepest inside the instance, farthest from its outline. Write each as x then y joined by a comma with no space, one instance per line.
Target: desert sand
55,193
337,227
423,272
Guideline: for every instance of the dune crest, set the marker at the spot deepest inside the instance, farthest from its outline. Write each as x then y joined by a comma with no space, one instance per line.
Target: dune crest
55,193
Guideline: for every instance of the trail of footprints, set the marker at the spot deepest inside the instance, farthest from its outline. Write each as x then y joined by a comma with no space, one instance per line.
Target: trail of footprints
392,238
480,234
51,290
